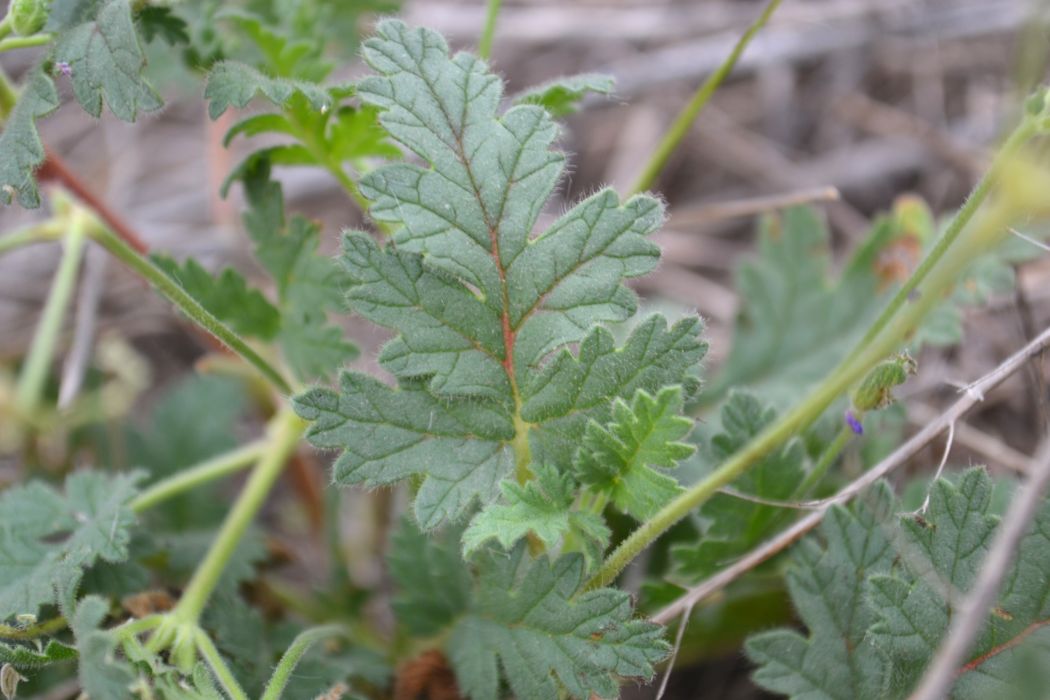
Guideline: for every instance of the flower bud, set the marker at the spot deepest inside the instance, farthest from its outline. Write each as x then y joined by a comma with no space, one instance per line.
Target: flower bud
876,390
28,16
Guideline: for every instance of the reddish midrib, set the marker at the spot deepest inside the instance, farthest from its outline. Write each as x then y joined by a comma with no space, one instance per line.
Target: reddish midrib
1005,646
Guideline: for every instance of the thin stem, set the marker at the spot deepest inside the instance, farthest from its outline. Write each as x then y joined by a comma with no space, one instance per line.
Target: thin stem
973,394
212,469
5,26
824,462
136,627
1025,130
218,666
286,429
988,230
489,32
703,95
28,235
971,614
41,352
23,42
41,629
302,643
187,304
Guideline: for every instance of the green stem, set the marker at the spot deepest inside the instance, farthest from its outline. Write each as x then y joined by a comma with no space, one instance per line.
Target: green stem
1024,131
8,95
218,666
41,352
136,627
28,235
827,458
24,42
286,429
212,469
940,275
282,674
5,26
187,304
489,32
689,113
41,629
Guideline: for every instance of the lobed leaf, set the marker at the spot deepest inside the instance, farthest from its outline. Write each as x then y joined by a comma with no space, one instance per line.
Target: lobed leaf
21,151
433,582
47,539
235,84
531,619
562,96
619,458
106,63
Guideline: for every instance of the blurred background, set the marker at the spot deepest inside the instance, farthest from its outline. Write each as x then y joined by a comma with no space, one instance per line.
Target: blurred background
846,103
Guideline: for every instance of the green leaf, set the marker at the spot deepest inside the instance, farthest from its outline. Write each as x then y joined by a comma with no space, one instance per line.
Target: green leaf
227,297
542,507
47,539
531,619
107,61
235,84
433,582
162,22
21,656
21,150
734,525
308,284
389,435
619,458
827,585
479,303
562,96
101,673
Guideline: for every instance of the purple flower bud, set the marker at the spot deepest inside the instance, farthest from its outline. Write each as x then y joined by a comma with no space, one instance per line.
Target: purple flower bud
64,68
853,423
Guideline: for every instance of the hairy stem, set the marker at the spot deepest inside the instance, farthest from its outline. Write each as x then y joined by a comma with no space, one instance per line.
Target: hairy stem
285,430
682,123
41,352
215,468
40,629
939,271
300,645
187,304
28,235
218,666
488,33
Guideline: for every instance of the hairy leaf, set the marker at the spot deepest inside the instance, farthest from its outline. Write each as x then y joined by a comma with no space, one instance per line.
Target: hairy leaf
910,595
21,150
163,23
478,301
227,297
531,621
234,84
619,459
106,62
735,525
47,538
827,584
562,96
101,673
542,507
21,656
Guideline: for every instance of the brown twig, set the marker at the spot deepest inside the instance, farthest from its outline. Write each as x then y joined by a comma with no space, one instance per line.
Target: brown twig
973,394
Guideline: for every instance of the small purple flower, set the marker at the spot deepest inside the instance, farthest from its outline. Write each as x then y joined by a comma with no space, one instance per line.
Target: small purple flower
853,423
64,68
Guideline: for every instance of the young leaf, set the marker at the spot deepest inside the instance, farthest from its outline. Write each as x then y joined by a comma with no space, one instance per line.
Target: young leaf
562,96
619,459
227,297
27,657
735,525
48,539
162,22
836,660
542,507
102,674
106,61
478,302
21,150
235,84
531,619
433,582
